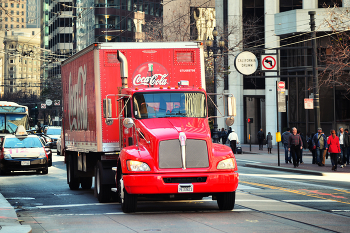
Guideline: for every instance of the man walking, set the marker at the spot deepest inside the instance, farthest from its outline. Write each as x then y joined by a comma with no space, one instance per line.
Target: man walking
341,142
261,137
347,147
285,137
233,137
319,141
295,144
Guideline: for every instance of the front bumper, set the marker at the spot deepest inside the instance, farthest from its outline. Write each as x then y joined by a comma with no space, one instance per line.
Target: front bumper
154,183
15,164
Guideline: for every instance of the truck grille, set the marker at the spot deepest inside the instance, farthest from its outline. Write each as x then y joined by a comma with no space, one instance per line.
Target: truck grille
196,154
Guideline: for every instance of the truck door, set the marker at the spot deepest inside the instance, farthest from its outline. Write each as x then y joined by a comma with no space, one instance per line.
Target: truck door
127,135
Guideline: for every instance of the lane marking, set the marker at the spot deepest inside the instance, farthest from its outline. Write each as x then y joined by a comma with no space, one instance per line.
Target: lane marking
340,210
293,191
342,190
269,200
244,187
20,198
156,212
73,205
244,160
308,200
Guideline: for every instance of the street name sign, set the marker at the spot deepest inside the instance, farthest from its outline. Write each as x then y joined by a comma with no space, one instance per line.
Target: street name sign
246,63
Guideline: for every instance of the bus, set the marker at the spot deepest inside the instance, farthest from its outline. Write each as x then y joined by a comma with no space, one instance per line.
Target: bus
11,116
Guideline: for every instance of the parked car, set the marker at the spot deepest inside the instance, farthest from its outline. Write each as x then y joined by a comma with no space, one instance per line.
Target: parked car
59,146
23,152
54,132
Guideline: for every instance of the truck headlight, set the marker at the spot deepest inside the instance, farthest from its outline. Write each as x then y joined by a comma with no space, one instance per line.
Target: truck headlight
137,166
7,156
227,164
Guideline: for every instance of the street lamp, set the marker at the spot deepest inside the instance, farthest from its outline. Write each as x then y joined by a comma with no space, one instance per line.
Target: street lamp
215,47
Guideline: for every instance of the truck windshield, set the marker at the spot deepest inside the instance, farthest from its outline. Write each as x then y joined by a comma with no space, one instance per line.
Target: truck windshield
169,104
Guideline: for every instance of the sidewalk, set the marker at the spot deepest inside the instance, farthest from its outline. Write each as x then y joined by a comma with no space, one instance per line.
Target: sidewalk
261,159
8,219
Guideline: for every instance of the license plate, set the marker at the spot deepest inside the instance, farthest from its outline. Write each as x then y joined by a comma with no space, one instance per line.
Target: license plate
185,188
25,163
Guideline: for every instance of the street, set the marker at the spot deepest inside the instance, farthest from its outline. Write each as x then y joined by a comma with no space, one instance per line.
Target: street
266,201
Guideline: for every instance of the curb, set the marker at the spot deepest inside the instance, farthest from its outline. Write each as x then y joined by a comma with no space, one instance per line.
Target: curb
285,169
8,219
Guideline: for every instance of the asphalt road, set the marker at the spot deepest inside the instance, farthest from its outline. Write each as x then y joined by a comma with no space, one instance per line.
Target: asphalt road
267,201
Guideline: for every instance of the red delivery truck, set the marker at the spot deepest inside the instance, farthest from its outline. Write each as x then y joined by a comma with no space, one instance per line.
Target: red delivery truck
135,117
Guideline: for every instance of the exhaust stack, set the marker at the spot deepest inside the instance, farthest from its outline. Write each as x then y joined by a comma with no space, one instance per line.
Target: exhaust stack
123,69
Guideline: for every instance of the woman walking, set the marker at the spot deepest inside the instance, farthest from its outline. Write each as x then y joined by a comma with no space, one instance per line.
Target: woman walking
269,142
333,148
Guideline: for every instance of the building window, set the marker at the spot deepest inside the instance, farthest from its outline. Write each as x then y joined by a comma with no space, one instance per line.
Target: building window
17,19
6,19
288,5
22,26
329,3
12,12
6,4
33,33
22,20
22,6
17,26
22,12
12,5
11,25
17,5
12,19
17,12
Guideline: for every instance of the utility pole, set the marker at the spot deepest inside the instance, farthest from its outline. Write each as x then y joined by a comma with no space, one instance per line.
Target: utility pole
315,71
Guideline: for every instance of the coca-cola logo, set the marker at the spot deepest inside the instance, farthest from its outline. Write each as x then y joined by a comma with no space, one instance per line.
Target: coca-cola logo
150,74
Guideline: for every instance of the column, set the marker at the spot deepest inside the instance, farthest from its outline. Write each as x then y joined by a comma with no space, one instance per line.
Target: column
219,10
312,4
235,79
271,41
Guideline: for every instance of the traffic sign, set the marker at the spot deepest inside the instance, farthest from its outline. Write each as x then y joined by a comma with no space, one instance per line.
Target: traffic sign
281,85
57,102
48,102
268,62
309,103
246,63
43,106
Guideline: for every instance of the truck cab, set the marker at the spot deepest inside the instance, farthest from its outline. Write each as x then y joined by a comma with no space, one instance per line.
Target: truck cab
167,148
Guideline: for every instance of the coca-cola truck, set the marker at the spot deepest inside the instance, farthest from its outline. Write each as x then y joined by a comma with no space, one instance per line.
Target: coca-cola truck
135,117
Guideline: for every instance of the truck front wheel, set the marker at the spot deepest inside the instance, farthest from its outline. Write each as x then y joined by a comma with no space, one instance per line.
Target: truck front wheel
128,201
226,201
103,191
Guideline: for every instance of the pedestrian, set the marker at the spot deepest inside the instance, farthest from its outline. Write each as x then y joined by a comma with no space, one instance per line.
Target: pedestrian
261,137
285,137
341,142
311,149
346,147
221,134
319,144
269,142
229,130
301,151
224,137
333,148
233,137
295,144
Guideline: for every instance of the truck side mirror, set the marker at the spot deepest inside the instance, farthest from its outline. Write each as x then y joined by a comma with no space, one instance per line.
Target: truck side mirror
107,108
128,123
231,103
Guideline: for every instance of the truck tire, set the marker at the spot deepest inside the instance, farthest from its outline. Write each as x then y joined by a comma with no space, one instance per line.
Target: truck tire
226,201
73,182
103,191
128,201
86,182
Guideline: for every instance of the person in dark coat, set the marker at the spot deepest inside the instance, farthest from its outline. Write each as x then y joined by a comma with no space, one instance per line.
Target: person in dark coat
269,143
261,137
285,137
295,144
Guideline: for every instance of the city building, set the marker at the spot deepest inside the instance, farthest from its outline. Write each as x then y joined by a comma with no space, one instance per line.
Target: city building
279,27
21,62
13,14
33,13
